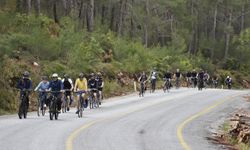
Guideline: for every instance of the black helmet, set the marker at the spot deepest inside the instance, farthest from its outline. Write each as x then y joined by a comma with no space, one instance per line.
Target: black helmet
44,78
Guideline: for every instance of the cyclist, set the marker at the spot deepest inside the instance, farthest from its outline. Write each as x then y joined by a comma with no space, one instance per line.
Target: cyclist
25,83
188,78
81,87
92,85
215,81
153,77
167,77
100,84
42,87
177,77
206,79
142,80
228,82
67,87
56,87
194,78
201,79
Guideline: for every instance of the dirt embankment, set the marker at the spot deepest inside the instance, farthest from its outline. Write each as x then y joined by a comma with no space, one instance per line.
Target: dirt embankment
235,134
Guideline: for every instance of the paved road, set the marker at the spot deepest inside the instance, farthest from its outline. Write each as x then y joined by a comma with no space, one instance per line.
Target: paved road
128,123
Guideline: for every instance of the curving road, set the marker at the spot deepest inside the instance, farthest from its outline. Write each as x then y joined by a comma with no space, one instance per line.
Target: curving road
181,119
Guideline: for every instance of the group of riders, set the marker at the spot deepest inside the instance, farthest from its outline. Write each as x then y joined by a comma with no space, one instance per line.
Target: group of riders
192,79
61,89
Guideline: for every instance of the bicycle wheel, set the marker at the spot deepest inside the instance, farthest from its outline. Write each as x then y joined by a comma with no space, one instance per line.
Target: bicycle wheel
20,112
55,111
51,111
80,108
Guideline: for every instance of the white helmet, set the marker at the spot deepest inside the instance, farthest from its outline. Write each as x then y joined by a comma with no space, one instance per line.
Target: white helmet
55,75
227,76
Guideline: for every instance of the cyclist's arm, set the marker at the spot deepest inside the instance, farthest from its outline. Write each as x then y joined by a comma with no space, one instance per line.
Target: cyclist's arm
86,84
38,86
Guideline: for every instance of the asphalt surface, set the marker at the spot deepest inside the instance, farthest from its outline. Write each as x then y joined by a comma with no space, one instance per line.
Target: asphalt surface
127,123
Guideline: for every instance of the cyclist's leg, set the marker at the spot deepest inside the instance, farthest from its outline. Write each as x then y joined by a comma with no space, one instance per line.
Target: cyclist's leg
59,102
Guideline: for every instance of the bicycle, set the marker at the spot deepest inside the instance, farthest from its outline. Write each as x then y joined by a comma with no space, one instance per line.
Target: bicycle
23,106
200,84
142,88
94,99
41,103
177,83
81,104
153,85
167,85
53,110
65,102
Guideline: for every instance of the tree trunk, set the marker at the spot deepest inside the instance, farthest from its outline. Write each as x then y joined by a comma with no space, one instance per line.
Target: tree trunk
214,30
27,6
103,14
90,24
132,24
55,15
19,5
228,35
121,17
37,7
112,19
191,41
145,26
242,24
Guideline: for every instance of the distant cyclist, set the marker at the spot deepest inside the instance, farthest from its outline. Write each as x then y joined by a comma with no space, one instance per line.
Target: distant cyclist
206,79
228,82
177,78
194,78
167,78
188,79
201,79
56,87
68,87
215,81
25,83
153,78
100,84
42,87
81,87
142,80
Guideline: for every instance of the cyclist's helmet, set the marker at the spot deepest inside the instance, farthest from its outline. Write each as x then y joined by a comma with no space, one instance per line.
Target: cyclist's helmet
45,78
177,70
99,74
54,75
66,76
228,77
26,74
81,75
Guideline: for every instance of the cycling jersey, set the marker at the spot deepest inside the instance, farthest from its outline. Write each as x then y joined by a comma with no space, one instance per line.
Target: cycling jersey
194,74
24,84
42,86
81,85
99,82
67,83
143,78
153,75
201,75
178,74
189,74
92,83
56,86
168,76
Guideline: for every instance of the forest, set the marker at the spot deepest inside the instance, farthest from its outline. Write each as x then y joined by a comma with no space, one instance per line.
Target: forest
128,36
